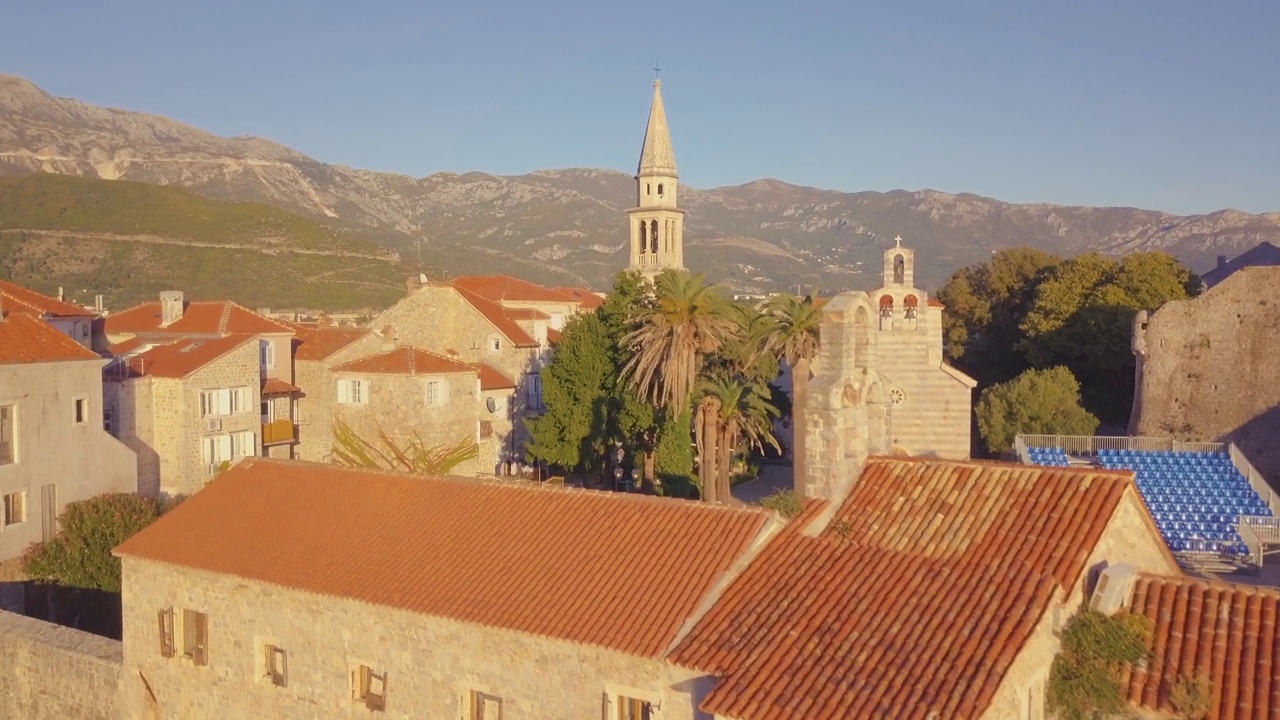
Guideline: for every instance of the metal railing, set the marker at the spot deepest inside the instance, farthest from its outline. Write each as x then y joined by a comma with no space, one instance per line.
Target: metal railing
278,431
1091,444
1258,532
1256,481
1020,447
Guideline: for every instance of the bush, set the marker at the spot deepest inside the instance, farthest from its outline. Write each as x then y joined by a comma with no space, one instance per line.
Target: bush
1191,696
79,556
785,502
1084,680
1039,402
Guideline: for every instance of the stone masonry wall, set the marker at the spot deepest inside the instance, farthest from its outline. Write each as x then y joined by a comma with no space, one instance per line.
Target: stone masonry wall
1208,368
50,672
188,471
430,663
397,406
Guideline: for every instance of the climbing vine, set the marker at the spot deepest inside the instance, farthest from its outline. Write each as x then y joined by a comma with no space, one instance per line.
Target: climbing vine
1084,681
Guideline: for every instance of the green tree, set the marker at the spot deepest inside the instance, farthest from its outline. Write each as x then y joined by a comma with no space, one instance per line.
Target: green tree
734,412
575,389
79,556
1036,402
1082,315
794,336
986,304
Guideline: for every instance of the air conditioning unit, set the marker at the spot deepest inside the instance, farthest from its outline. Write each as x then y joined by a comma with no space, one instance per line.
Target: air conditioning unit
213,424
1114,589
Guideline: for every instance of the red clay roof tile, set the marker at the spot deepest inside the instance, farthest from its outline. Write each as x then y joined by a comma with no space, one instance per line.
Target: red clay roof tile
175,357
499,288
198,318
914,598
493,312
588,300
321,343
276,386
22,300
26,339
525,314
406,361
1228,634
549,561
492,378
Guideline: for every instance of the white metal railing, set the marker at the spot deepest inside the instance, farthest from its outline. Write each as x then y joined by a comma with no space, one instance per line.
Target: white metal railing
1091,444
1258,532
1020,447
1259,484
1251,540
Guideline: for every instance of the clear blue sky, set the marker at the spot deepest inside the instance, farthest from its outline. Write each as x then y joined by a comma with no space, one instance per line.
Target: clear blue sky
1166,104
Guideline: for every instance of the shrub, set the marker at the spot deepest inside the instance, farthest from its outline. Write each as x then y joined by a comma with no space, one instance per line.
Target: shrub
1191,696
79,556
1084,680
786,502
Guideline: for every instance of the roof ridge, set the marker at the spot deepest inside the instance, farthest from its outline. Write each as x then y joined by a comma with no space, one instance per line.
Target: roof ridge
1209,583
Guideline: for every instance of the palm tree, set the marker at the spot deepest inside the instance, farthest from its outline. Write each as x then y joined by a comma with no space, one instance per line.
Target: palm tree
687,322
732,411
795,337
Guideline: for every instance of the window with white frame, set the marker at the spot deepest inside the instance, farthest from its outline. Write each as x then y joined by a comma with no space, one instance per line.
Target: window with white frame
353,392
215,450
436,392
215,403
624,703
15,508
241,400
266,354
8,434
244,444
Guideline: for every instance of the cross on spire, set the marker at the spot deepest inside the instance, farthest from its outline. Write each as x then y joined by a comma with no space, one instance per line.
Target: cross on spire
656,69
897,242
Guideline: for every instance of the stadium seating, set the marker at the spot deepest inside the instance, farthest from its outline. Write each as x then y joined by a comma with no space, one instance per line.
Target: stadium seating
1194,497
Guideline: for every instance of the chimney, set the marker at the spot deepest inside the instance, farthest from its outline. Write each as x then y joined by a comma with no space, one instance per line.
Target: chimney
1222,261
61,297
388,338
97,303
170,307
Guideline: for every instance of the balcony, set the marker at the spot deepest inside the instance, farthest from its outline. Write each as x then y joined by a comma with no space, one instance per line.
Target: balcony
279,431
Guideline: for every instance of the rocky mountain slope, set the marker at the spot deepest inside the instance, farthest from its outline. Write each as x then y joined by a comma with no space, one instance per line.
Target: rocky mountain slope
566,226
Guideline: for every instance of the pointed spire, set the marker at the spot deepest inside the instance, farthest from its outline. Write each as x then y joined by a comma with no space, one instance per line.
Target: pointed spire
656,158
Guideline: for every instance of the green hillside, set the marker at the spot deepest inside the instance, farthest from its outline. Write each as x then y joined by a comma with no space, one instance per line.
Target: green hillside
130,240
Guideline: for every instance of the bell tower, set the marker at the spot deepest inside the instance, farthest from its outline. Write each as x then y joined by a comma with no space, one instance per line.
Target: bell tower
656,223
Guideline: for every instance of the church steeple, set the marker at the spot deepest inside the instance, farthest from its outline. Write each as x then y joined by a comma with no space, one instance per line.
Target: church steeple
656,157
657,235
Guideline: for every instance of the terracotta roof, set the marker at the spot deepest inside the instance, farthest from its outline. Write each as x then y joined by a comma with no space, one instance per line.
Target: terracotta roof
179,357
914,598
588,300
491,378
553,336
198,318
504,287
934,303
28,339
276,386
405,361
1228,634
497,318
525,314
550,561
21,300
318,344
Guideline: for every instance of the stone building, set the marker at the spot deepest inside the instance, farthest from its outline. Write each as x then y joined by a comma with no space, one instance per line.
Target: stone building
656,223
75,322
880,384
932,590
186,406
515,294
53,446
1264,254
1207,370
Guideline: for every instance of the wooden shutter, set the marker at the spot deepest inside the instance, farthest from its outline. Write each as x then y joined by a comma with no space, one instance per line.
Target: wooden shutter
207,450
344,392
166,632
200,653
224,402
224,447
444,392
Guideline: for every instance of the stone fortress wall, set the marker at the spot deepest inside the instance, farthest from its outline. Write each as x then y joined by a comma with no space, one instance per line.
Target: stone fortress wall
1209,368
56,673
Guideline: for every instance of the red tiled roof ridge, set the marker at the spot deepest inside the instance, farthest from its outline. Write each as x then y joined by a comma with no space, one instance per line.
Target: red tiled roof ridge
1010,464
1213,583
519,293
319,349
173,362
227,306
40,302
493,313
413,358
27,339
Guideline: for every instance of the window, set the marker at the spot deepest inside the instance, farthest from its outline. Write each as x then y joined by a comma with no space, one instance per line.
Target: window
107,421
659,189
625,703
195,637
275,665
8,442
436,393
241,400
634,709
244,444
80,410
215,403
353,392
481,706
84,331
533,390
266,354
495,344
166,633
215,450
369,687
15,508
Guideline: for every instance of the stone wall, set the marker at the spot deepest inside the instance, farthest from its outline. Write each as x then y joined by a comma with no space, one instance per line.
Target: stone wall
430,663
50,672
1208,369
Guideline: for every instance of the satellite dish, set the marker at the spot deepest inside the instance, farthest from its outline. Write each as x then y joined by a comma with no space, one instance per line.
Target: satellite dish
491,404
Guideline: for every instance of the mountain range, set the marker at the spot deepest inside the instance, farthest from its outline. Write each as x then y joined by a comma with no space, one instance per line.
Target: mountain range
567,226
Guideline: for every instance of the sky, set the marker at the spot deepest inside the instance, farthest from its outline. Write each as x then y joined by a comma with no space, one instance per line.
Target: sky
1161,104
